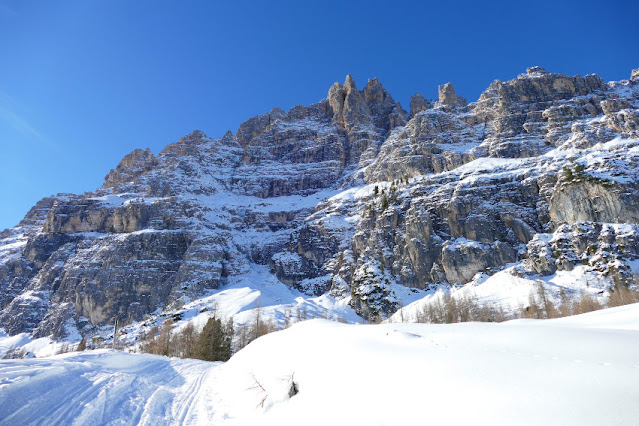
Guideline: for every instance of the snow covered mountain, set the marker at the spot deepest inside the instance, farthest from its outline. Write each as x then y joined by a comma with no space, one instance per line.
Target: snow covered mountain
348,208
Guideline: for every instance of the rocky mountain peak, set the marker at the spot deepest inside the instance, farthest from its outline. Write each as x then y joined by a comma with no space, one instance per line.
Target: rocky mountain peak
187,145
386,113
132,165
355,110
350,110
374,93
349,84
536,71
448,97
418,103
196,136
255,126
227,137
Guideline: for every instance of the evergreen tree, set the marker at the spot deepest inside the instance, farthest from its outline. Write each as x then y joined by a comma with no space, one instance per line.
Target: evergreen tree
215,340
384,203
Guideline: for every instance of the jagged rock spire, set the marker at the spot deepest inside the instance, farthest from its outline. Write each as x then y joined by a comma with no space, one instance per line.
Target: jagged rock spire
373,105
448,97
349,83
418,103
349,108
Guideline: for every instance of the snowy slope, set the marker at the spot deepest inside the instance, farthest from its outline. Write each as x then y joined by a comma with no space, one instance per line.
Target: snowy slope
578,370
99,387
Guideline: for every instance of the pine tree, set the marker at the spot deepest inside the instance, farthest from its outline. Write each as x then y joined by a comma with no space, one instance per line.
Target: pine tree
384,203
215,340
229,332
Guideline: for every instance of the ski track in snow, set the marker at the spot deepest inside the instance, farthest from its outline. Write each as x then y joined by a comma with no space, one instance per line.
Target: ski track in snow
100,387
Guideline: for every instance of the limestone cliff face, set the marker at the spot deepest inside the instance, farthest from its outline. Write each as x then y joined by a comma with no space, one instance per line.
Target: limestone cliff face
351,196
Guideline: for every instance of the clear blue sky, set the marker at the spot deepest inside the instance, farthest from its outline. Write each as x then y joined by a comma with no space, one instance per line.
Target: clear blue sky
82,83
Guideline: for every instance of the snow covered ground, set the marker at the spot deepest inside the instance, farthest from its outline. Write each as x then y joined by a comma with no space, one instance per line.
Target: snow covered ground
580,370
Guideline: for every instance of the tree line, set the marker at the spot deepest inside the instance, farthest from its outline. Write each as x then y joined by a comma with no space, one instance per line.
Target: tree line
217,341
448,309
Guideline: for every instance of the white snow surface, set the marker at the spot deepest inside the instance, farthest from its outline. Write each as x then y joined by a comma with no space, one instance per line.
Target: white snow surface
580,370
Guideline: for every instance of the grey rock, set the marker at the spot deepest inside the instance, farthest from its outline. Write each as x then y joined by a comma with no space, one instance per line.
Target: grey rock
350,110
600,247
418,103
533,108
536,71
461,260
448,97
132,165
581,197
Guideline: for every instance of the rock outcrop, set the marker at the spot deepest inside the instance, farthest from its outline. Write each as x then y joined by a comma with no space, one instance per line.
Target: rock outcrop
418,103
600,247
448,97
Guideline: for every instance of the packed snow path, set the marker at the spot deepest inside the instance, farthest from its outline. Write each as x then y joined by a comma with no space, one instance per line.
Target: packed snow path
581,370
100,387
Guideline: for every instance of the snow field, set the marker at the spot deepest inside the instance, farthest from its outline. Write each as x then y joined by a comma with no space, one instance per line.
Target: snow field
99,387
512,373
570,371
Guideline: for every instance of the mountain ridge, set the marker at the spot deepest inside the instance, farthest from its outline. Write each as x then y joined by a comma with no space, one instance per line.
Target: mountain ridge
351,197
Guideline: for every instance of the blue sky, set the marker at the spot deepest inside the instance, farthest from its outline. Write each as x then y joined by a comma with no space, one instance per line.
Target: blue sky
82,83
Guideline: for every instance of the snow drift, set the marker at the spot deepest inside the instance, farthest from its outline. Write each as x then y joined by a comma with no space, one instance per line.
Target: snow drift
577,370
